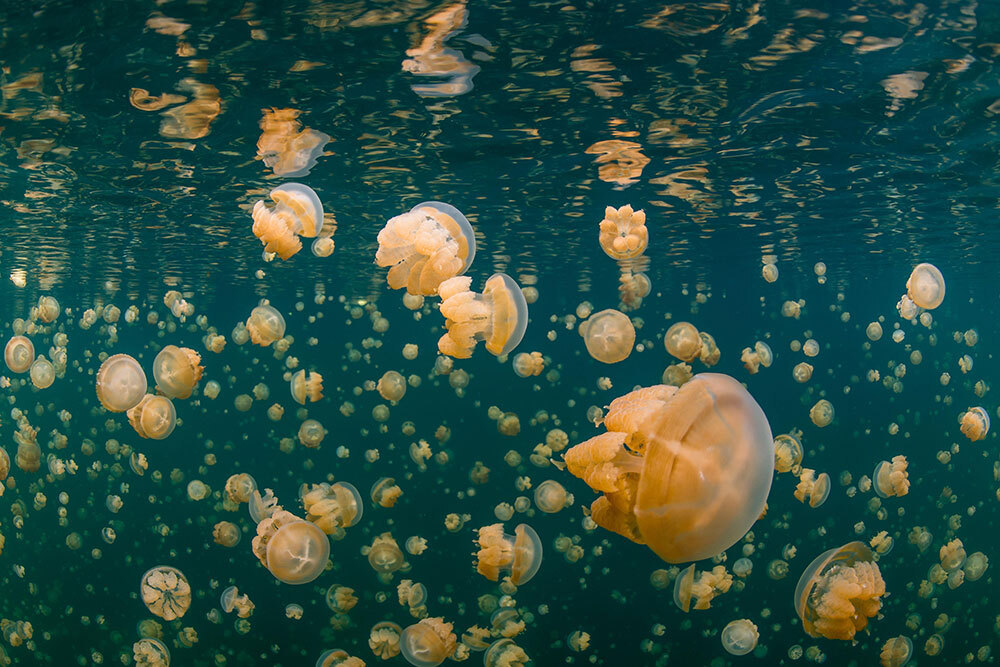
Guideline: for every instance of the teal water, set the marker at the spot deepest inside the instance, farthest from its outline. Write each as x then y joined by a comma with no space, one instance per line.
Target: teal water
858,135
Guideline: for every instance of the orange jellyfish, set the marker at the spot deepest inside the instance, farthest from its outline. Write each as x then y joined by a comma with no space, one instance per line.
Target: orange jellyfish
896,652
42,373
520,553
551,496
925,286
19,354
391,386
384,639
702,587
265,325
787,451
684,470
385,556
683,341
528,364
739,637
821,414
298,211
332,507
166,592
816,489
307,387
427,643
975,424
385,492
623,232
176,371
499,316
609,336
505,653
336,657
29,454
891,478
425,247
121,383
839,591
153,417
293,550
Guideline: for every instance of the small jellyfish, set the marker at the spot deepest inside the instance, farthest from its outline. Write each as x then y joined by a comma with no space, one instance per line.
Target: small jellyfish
520,554
265,325
285,148
760,355
839,591
802,372
821,414
499,316
925,286
891,478
873,331
311,433
385,492
739,637
293,550
385,556
975,566
384,639
682,341
336,657
609,336
952,555
165,592
332,506
306,387
226,534
427,643
896,652
42,373
769,272
701,587
505,653
623,232
391,386
231,600
816,489
153,417
975,424
551,497
298,211
176,371
528,364
240,487
19,354
147,652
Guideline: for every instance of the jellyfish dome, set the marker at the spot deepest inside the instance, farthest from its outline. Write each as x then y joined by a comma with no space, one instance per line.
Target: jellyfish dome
338,658
153,417
19,354
121,383
306,387
293,550
683,341
623,232
42,373
609,336
896,652
265,325
427,643
925,286
684,470
520,554
499,316
975,424
839,591
176,371
166,592
297,212
332,506
149,652
739,637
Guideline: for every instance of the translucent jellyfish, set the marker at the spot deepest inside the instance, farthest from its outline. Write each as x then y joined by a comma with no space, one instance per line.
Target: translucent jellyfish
265,325
176,371
336,657
29,454
623,232
873,331
306,387
975,424
384,639
499,316
121,383
385,556
505,653
147,652
297,212
166,592
293,550
4,465
839,591
760,355
391,386
701,587
952,555
226,534
42,373
925,286
427,643
19,354
311,433
231,601
520,553
528,364
975,566
821,414
739,637
802,372
385,492
677,374
891,478
769,272
816,489
686,471
896,652
608,335
332,506
240,487
682,341
153,417
285,148
425,247
551,497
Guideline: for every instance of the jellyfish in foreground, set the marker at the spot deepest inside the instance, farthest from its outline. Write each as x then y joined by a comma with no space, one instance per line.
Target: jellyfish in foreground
685,471
499,316
293,550
265,325
520,554
121,383
297,212
19,354
306,387
147,652
176,371
891,478
896,652
839,591
428,642
975,424
153,417
739,637
609,336
166,592
816,489
623,232
925,286
332,507
425,247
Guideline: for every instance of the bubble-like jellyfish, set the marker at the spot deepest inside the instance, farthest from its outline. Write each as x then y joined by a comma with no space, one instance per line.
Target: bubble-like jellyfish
29,454
265,325
873,331
385,492
340,599
975,424
231,600
952,555
821,413
528,364
336,657
177,371
428,642
700,587
839,591
683,341
505,653
760,355
802,372
226,533
739,637
153,417
384,639
623,232
148,652
42,373
306,387
975,566
425,247
816,489
891,478
385,556
165,592
298,211
896,652
551,496
685,471
391,386
311,433
787,451
332,507
520,553
499,315
608,335
293,550
240,487
121,383
19,354
925,286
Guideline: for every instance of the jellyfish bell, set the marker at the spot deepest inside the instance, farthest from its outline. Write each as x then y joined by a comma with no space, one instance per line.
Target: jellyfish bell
332,506
265,325
551,496
505,653
520,554
427,643
839,591
296,553
821,413
306,387
499,316
925,286
896,652
739,637
153,417
336,657
890,477
165,592
42,373
682,341
147,652
298,211
975,423
623,233
19,354
391,386
609,336
177,371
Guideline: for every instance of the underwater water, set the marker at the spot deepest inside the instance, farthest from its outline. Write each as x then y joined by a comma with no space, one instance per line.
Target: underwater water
797,166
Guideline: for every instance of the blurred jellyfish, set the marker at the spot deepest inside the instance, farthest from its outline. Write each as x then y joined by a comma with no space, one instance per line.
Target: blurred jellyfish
551,497
528,364
240,487
176,371
226,534
839,591
609,336
385,492
873,331
505,653
499,316
153,417
739,637
336,657
284,148
623,232
802,372
42,373
391,386
293,550
311,433
146,652
925,286
520,554
298,211
166,592
760,355
821,413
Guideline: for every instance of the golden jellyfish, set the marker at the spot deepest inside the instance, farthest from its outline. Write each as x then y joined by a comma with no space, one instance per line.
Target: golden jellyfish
293,550
873,331
4,465
802,372
821,414
787,451
284,148
609,336
499,316
891,478
816,489
528,364
29,454
505,653
760,355
147,652
952,555
265,325
701,587
975,566
306,387
975,424
769,272
683,341
332,506
839,591
121,383
42,373
685,471
336,657
226,534
551,497
176,371
19,354
623,232
520,553
391,386
425,247
240,487
153,417
385,492
298,211
896,652
428,642
384,639
165,592
677,374
925,286
311,433
47,309
739,637
385,556
710,352
231,600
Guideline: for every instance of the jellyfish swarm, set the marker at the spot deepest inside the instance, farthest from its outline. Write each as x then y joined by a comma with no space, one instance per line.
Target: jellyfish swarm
121,383
623,232
153,417
685,471
165,592
176,371
286,149
297,212
520,553
19,354
925,286
608,335
293,550
426,246
839,591
427,643
499,316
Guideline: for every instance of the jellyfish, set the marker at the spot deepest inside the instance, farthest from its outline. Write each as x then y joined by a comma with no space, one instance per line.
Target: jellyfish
577,641
816,489
121,383
499,316
683,341
623,232
633,284
153,417
265,325
896,652
176,371
891,479
975,424
952,555
609,336
739,637
873,331
428,642
306,387
311,433
551,497
528,364
760,355
385,492
19,354
385,556
4,466
231,600
284,148
298,211
520,554
413,596
29,454
391,386
677,374
802,372
685,471
839,591
42,373
147,652
787,451
821,414
384,639
336,657
165,592
293,550
925,286
702,587
975,566
426,246
332,506
240,487
505,653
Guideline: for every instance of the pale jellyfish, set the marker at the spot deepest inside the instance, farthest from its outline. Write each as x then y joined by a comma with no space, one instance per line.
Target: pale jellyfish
896,652
176,371
153,417
226,534
385,556
298,211
821,414
427,643
240,487
147,652
520,554
839,591
609,336
293,550
42,373
340,599
623,232
384,639
975,424
739,637
48,309
306,387
682,341
231,600
311,433
760,355
802,372
336,657
288,150
385,492
391,386
816,489
975,566
873,331
19,354
700,587
505,653
265,325
769,272
528,364
551,497
499,316
677,374
165,592
925,286
891,478
787,451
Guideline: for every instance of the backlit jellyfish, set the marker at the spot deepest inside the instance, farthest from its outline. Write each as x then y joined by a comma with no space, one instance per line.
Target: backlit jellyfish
165,592
578,641
925,286
425,247
975,424
391,386
176,371
551,497
265,325
231,600
197,490
873,331
685,471
332,506
520,553
153,417
294,611
499,316
297,212
816,489
311,433
293,550
285,148
891,478
505,653
769,272
428,642
896,652
952,555
975,566
701,587
528,364
623,232
306,387
802,372
385,492
240,487
385,556
709,353
739,637
609,336
682,341
384,639
760,355
821,414
839,591
226,534
42,373
147,652
340,599
19,354
121,383
336,657
677,374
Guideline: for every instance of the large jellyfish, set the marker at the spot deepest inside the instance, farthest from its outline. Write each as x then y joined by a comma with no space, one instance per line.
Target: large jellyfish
121,383
298,211
166,592
925,286
499,316
332,507
428,642
293,550
153,417
520,553
19,354
839,591
608,335
176,371
623,232
685,471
